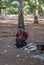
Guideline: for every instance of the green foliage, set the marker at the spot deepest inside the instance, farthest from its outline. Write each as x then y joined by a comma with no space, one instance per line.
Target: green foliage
11,10
26,9
25,3
15,10
14,4
28,6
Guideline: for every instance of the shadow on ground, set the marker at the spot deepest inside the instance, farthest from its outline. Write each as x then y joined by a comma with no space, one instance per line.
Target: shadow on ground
9,54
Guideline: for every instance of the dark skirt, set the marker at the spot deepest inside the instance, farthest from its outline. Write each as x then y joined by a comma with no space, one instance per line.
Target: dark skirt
20,43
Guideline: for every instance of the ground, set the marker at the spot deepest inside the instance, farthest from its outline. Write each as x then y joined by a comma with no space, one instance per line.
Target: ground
9,54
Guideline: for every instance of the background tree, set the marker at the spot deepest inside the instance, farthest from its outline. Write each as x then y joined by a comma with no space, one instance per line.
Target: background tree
1,6
36,12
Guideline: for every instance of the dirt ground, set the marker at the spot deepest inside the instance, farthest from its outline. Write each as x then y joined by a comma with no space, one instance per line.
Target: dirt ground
9,54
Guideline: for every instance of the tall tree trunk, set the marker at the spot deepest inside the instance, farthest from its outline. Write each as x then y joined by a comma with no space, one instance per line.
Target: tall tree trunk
0,5
36,12
20,15
0,11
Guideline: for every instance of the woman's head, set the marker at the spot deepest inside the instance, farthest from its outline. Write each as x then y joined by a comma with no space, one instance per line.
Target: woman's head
20,30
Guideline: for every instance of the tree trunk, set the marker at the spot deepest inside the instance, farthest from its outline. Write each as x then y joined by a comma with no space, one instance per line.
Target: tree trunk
36,12
20,15
0,11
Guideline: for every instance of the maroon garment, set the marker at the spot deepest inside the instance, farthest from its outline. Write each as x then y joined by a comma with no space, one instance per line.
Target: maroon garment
24,35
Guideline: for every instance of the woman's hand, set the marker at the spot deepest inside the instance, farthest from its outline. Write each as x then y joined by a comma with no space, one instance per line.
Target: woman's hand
20,36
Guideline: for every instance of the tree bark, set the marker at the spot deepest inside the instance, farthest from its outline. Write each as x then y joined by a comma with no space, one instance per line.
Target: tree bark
0,11
36,12
20,15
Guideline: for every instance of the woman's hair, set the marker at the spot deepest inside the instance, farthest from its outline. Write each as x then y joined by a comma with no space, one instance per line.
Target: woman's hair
20,32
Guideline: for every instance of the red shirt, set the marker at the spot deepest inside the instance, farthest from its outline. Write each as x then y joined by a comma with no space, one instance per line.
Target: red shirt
24,35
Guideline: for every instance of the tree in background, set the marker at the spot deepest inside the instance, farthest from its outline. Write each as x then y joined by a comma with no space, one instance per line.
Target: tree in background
0,6
36,12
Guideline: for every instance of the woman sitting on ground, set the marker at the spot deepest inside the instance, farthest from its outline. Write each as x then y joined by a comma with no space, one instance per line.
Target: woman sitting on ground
21,37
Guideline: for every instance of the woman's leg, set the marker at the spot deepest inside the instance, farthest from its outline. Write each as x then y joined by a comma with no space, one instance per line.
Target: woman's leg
21,42
17,42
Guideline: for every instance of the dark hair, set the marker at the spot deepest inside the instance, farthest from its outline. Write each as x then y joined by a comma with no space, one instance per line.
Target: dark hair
20,32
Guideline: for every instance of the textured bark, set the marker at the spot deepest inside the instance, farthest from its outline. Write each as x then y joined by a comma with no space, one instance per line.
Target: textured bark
20,15
36,12
2,8
0,11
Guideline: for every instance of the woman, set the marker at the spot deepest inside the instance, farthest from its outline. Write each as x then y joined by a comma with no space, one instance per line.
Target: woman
21,37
